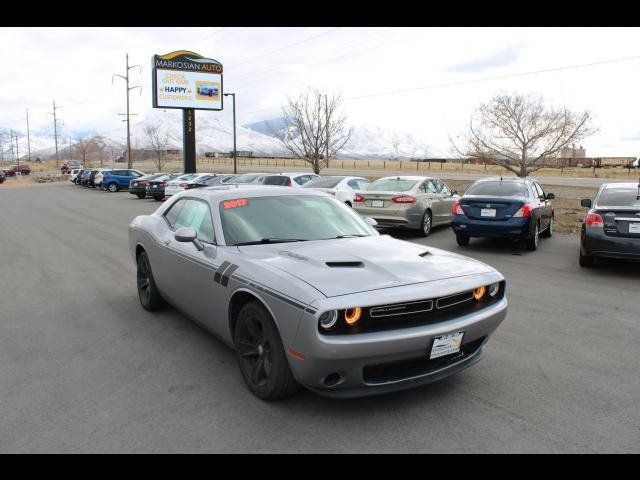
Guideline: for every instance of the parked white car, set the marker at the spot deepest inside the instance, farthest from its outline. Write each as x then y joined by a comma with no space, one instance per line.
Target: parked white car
288,179
181,183
343,188
73,174
97,181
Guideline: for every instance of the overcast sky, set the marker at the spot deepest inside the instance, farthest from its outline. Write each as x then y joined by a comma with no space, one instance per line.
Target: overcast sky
74,66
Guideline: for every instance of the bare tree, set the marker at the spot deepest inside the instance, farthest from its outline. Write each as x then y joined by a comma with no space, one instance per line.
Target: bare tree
100,148
313,125
520,132
158,140
84,147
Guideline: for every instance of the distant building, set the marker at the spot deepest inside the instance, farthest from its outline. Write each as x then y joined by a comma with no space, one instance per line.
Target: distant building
573,152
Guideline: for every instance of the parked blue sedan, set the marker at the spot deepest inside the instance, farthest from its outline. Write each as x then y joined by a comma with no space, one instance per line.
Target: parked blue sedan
508,207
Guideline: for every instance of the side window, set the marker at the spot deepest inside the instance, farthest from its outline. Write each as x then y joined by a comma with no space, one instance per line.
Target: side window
444,190
302,179
172,215
196,214
539,191
353,183
429,187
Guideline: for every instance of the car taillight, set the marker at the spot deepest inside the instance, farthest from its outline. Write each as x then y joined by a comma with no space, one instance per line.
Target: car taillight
183,185
106,175
457,209
358,198
524,212
594,220
143,182
289,184
404,199
164,184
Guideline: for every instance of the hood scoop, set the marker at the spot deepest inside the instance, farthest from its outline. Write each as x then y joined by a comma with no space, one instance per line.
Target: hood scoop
344,264
424,254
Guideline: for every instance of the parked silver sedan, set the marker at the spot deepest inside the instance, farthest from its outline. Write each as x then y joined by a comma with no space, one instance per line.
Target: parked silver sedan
407,202
308,293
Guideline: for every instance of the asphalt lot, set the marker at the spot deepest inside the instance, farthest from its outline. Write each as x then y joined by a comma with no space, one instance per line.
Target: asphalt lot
83,368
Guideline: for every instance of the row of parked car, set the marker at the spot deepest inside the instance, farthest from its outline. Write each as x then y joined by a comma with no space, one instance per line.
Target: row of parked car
492,207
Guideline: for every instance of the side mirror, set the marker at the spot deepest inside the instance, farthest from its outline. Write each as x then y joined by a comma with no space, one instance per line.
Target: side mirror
370,221
454,192
188,235
550,196
586,202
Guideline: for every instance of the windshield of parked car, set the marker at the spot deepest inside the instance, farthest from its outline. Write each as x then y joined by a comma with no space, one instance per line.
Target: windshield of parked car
244,178
324,182
288,218
391,185
619,197
498,188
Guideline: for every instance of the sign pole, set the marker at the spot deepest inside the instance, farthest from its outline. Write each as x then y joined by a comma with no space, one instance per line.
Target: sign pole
189,139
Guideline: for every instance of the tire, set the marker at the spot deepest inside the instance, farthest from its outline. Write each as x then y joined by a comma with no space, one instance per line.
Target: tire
426,224
585,261
140,195
532,243
548,233
158,199
148,293
463,240
260,354
112,187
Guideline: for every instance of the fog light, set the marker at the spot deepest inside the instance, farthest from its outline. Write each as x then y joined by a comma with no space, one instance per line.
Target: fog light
352,315
494,289
478,293
328,319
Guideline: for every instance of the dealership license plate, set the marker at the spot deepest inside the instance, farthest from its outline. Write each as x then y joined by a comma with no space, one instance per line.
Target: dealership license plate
488,212
446,345
377,203
634,228
155,186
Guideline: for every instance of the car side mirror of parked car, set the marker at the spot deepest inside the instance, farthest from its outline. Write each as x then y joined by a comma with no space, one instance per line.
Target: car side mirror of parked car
370,221
454,192
189,235
586,202
550,196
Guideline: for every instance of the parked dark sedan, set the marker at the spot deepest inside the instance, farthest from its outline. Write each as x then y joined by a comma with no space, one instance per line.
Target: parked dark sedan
138,185
611,227
155,188
84,178
508,207
3,177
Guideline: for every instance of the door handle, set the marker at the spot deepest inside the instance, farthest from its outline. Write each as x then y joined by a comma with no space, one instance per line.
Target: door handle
166,242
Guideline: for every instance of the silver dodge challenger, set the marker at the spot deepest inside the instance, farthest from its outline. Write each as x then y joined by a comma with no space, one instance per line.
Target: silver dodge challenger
308,293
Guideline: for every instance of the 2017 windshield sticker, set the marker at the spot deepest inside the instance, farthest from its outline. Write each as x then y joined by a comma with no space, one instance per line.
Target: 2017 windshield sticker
239,202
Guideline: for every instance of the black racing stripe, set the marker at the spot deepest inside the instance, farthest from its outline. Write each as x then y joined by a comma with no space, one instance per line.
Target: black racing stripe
274,294
222,268
227,273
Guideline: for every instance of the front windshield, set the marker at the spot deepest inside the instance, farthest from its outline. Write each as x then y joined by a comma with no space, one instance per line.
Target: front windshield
620,197
288,218
391,185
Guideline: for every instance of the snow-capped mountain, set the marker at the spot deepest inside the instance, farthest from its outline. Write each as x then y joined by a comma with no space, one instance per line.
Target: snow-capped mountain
214,133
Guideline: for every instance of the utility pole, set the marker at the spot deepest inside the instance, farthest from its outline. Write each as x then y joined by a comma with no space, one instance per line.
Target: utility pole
28,136
11,141
55,131
326,127
235,166
128,115
17,151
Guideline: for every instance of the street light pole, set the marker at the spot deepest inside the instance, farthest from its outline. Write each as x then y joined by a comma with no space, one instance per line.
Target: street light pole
235,166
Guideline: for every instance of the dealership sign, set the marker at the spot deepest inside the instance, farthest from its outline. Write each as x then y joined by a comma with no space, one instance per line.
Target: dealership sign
185,79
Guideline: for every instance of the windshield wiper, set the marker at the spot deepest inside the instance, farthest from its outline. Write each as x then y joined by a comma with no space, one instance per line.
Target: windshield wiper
353,235
269,240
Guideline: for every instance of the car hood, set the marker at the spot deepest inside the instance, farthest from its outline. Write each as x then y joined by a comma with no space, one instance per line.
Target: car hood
352,265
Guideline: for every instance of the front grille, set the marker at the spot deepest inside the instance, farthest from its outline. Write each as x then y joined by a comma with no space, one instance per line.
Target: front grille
413,314
415,367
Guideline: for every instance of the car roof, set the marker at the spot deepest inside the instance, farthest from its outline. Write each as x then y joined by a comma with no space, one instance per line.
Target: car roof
620,185
505,178
407,177
226,191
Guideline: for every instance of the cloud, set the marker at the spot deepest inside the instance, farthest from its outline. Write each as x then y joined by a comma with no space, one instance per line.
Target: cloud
502,58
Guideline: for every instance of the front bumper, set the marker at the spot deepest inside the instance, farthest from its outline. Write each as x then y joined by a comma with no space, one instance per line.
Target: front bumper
596,243
380,362
511,228
137,190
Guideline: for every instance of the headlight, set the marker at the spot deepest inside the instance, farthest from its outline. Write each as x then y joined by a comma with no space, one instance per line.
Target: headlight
328,319
352,315
494,289
478,293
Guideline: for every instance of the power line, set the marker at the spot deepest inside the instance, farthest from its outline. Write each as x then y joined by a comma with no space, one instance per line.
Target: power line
479,80
285,47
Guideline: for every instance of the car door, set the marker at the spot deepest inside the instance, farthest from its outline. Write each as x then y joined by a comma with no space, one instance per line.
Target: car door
544,205
432,198
447,200
190,271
